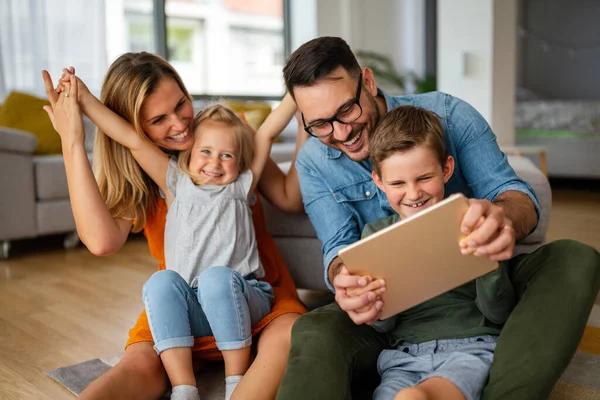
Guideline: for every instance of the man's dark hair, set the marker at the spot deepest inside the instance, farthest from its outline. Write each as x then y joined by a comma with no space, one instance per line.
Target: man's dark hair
316,59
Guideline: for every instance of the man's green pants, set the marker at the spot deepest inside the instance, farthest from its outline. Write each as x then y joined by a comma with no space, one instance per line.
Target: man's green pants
332,358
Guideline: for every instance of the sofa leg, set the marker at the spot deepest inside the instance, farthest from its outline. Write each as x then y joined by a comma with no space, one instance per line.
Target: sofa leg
71,240
4,251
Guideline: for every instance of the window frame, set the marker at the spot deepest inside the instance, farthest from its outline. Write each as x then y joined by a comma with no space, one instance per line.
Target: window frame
159,18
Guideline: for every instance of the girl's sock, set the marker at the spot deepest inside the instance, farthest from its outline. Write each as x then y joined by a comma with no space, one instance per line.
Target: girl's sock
185,392
231,383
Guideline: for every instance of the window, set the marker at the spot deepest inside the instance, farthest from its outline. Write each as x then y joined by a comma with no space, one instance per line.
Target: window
227,47
219,47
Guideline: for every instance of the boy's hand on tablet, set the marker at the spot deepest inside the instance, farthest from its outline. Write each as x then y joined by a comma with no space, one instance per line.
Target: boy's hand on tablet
490,232
363,308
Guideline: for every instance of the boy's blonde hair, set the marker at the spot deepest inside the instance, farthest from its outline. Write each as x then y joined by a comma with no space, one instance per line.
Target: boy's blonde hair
242,136
404,128
126,189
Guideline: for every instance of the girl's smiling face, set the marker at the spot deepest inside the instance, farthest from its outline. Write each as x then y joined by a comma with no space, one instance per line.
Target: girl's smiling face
215,153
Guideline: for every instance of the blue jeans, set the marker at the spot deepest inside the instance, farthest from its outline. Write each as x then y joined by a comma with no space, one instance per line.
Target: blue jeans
465,362
225,305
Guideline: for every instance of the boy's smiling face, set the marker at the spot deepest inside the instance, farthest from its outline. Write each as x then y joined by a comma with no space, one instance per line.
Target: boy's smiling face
413,180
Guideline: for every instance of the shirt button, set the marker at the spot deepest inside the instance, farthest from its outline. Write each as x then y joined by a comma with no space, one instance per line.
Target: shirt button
368,193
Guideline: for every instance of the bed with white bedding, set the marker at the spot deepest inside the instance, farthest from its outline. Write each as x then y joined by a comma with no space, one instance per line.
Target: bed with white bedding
568,129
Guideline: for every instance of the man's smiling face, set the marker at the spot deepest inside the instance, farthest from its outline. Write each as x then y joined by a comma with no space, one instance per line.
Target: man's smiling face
331,95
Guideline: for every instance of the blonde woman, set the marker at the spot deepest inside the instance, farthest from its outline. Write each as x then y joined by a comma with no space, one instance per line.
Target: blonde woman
145,91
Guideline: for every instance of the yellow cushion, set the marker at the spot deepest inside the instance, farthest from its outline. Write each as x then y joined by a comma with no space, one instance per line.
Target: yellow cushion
255,112
23,111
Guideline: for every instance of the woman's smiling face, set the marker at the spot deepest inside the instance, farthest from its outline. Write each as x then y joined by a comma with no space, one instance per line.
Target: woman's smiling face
167,116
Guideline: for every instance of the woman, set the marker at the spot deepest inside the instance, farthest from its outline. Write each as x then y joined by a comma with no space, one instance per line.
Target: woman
146,91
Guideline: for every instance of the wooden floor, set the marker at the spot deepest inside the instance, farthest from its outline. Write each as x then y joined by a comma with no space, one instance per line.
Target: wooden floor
62,307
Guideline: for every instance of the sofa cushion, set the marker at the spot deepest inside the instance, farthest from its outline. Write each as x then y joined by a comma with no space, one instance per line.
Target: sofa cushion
54,216
527,171
24,112
50,177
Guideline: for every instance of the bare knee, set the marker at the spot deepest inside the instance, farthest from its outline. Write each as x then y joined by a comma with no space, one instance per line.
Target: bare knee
412,393
139,375
144,363
279,332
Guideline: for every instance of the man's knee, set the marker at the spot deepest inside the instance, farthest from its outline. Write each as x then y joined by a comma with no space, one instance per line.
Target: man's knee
324,328
579,262
325,320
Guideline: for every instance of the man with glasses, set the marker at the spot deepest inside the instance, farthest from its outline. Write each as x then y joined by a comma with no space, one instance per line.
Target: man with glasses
334,349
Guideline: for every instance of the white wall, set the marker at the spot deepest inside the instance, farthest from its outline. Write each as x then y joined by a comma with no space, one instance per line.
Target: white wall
477,58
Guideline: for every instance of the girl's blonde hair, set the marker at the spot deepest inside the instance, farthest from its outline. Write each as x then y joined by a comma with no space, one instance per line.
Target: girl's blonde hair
242,136
127,190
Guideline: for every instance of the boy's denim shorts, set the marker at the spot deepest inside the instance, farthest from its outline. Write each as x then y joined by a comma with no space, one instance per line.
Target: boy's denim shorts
464,362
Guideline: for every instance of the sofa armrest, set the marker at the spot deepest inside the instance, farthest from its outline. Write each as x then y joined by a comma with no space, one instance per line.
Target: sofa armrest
17,189
17,141
527,171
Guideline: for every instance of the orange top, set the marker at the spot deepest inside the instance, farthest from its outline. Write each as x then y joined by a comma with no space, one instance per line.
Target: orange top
276,273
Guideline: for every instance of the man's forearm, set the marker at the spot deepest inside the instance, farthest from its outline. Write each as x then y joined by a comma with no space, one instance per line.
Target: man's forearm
518,207
334,269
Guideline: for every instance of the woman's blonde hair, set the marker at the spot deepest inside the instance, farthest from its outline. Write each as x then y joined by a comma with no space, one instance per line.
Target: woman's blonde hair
127,190
243,140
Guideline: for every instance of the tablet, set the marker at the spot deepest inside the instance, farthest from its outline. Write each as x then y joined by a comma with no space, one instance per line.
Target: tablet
418,257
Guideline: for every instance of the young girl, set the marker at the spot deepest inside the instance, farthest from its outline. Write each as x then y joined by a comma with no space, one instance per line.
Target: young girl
210,286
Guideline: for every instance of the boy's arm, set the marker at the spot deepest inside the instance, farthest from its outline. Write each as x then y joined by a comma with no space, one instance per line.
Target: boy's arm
152,160
267,132
495,295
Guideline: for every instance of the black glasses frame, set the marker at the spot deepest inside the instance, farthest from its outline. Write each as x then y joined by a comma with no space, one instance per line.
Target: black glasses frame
356,101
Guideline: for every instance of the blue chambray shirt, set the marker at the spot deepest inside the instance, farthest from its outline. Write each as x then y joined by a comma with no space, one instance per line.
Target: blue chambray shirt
340,196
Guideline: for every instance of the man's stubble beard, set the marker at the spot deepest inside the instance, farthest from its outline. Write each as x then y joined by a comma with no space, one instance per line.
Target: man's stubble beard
358,157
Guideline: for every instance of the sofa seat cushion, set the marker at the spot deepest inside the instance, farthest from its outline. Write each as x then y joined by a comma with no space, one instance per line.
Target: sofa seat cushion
50,177
54,216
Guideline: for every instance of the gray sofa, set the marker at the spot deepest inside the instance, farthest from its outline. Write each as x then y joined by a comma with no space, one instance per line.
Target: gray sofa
34,200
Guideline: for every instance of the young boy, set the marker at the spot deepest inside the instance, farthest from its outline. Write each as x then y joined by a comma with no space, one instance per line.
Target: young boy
442,348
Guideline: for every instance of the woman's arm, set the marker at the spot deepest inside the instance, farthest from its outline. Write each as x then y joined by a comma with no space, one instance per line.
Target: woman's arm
99,231
283,190
152,160
267,132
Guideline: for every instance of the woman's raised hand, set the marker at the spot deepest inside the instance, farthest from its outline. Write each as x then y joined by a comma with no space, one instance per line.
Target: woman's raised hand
64,111
65,78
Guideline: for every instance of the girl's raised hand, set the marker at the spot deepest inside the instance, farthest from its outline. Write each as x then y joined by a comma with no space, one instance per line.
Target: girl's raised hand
65,78
64,111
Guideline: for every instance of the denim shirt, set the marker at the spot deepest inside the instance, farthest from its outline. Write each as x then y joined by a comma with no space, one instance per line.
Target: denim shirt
340,196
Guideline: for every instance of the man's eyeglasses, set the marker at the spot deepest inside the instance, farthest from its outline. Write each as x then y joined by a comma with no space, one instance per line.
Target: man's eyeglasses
346,115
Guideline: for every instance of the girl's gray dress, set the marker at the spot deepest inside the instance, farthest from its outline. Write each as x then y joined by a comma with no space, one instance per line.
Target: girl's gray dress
209,226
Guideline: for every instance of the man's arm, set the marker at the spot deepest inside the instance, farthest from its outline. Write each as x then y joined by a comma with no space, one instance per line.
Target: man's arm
485,168
334,268
335,225
520,210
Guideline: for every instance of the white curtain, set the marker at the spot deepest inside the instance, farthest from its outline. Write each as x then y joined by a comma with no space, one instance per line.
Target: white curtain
50,34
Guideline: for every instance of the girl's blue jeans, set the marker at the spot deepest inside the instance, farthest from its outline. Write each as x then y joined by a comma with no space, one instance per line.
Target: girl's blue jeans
225,305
